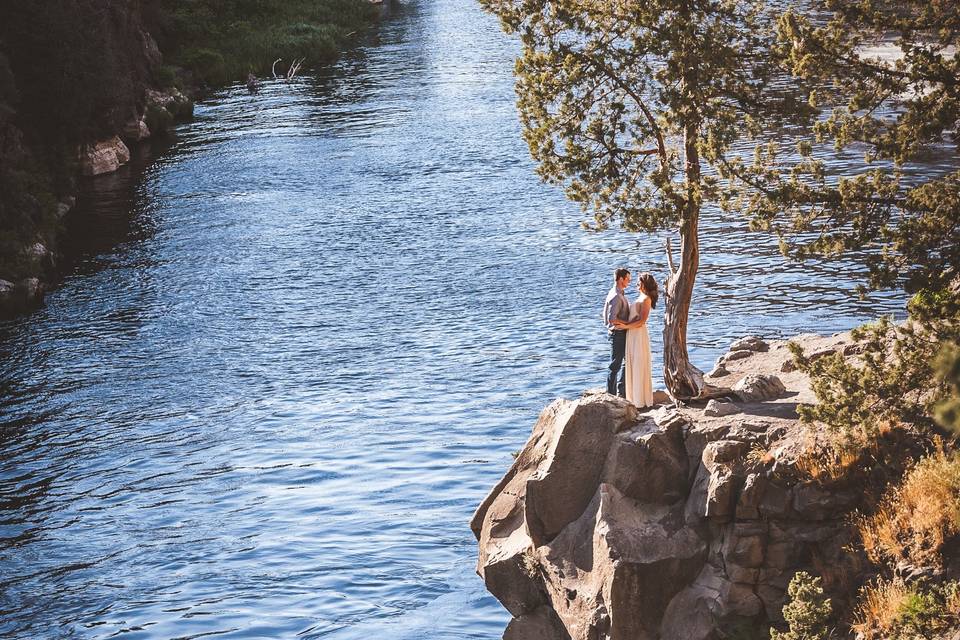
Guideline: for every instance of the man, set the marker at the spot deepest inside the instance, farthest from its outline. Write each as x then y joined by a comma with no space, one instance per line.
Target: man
616,310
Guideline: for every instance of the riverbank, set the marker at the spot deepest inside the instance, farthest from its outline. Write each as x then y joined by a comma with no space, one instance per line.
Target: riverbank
687,522
73,105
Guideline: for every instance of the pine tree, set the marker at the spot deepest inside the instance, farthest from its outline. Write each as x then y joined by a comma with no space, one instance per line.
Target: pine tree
807,612
635,108
898,213
900,104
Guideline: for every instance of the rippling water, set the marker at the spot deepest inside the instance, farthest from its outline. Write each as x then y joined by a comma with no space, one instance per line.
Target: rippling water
298,348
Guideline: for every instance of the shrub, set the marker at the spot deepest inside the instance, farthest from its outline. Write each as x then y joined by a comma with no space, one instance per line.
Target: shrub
158,119
918,516
828,461
249,35
318,43
208,65
808,611
895,379
9,96
868,464
27,212
168,77
893,610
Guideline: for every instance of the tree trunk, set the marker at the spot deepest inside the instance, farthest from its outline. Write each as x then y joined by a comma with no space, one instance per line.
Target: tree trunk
683,380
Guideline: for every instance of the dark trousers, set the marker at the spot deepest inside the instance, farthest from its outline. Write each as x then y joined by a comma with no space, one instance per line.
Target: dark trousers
618,349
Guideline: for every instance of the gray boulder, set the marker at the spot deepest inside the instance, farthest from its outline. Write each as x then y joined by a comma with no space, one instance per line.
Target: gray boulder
755,387
105,156
750,343
136,129
718,371
739,354
719,409
619,525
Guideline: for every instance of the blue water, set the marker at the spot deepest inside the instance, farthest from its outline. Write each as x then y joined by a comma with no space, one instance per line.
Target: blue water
298,348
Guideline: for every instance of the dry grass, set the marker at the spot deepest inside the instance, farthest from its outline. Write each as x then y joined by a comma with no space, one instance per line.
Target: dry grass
893,609
868,462
830,457
759,456
880,607
953,602
827,463
918,516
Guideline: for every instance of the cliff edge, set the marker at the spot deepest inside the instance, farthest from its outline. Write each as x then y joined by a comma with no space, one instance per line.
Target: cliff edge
668,523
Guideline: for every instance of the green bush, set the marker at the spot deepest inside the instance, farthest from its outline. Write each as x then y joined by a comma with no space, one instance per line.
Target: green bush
208,65
893,610
918,610
168,77
248,35
895,379
808,611
9,96
319,43
158,119
27,213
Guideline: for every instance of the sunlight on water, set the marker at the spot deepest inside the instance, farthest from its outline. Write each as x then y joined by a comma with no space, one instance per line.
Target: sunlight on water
298,350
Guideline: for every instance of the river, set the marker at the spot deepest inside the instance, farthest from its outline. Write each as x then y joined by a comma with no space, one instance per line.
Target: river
298,346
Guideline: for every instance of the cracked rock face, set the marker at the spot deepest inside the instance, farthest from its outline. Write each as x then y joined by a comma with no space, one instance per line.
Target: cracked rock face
623,526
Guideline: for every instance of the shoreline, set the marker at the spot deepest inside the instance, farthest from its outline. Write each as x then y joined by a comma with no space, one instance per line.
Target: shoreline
31,257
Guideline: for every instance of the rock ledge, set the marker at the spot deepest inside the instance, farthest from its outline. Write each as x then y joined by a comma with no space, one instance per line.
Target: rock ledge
667,524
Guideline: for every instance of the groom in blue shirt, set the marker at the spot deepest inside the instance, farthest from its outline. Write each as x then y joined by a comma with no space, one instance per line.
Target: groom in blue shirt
616,309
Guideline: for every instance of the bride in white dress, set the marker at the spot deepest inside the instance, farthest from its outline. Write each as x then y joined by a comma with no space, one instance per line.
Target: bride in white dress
639,374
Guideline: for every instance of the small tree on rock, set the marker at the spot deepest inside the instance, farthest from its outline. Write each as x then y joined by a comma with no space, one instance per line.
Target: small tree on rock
635,108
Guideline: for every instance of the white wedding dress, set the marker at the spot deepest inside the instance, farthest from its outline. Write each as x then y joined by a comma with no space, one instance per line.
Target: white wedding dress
639,375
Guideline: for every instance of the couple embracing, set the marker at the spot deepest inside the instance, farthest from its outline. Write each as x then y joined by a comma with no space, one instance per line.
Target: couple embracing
627,328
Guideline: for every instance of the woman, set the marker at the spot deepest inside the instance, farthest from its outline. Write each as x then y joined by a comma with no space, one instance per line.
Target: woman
639,368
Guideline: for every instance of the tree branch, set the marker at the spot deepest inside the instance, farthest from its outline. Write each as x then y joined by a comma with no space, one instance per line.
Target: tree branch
609,73
670,265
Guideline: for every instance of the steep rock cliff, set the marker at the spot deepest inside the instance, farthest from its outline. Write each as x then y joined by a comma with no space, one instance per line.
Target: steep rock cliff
75,87
667,524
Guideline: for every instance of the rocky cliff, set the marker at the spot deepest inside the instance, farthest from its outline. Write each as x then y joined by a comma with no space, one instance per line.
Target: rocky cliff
673,524
78,85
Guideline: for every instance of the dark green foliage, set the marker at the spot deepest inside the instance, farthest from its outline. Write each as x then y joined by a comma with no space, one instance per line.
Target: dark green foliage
206,64
898,379
168,77
608,91
80,66
808,611
896,113
745,629
158,119
223,40
27,206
